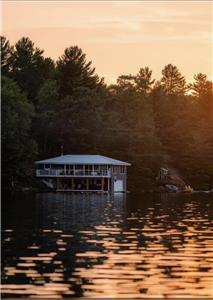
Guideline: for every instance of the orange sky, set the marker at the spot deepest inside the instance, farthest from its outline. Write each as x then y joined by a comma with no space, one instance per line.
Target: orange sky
119,37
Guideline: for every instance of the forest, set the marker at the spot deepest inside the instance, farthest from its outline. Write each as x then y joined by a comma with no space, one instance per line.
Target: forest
47,105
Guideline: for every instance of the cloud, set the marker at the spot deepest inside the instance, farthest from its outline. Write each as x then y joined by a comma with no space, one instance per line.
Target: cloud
118,36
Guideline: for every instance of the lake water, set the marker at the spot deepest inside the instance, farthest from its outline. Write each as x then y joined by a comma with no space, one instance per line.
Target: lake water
135,245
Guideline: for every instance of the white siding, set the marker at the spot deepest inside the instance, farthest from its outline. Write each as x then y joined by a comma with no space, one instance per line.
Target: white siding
118,186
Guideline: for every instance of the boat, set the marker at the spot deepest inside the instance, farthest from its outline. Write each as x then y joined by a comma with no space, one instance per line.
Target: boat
171,188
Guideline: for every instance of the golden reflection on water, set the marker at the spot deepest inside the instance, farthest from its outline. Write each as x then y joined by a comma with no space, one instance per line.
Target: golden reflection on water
135,256
152,269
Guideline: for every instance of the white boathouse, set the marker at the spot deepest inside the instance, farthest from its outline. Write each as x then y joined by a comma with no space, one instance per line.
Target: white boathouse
83,173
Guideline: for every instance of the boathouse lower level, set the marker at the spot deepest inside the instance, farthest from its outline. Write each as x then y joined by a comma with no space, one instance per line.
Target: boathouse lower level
79,184
98,184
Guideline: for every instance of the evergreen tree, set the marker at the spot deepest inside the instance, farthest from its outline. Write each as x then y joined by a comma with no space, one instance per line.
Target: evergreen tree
73,71
201,86
144,80
18,148
44,125
6,52
147,123
172,81
77,122
29,68
126,83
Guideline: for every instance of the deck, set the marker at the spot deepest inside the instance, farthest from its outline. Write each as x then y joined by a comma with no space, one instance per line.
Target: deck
75,173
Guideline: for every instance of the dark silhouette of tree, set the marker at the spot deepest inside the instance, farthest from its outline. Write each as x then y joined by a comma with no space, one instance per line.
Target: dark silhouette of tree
18,148
6,51
29,68
201,86
44,125
126,82
144,80
137,119
73,71
172,81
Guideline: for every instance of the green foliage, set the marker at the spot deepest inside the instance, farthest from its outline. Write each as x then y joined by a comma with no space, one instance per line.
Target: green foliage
144,80
141,83
29,68
6,51
44,125
201,86
77,119
150,124
73,71
18,148
172,82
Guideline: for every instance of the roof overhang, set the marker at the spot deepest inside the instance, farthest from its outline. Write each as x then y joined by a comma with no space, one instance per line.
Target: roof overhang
83,160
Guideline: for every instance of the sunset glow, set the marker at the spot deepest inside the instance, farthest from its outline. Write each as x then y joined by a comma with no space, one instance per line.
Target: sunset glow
119,37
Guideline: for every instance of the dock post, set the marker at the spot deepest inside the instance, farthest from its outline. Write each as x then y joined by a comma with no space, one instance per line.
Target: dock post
102,183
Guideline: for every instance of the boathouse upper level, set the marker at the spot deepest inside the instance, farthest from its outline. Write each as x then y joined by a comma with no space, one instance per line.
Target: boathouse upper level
80,165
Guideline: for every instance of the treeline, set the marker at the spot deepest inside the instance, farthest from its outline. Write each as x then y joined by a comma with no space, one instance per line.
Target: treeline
151,123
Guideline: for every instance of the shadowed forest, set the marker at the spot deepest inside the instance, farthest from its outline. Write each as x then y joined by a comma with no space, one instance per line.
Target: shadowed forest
47,105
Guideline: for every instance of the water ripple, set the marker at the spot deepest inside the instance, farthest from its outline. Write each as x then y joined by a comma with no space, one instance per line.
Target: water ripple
102,246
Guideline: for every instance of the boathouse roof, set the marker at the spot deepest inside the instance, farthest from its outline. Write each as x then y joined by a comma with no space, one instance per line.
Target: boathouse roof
83,159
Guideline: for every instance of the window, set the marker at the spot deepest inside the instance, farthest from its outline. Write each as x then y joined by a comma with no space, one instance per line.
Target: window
58,167
116,169
88,167
122,169
79,167
41,166
69,167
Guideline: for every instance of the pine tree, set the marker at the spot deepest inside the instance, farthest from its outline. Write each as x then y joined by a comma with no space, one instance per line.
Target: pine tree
172,81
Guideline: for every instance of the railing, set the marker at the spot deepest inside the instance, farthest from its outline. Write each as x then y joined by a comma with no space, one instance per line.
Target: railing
63,173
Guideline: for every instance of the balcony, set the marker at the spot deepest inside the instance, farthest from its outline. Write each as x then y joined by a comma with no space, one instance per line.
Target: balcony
73,173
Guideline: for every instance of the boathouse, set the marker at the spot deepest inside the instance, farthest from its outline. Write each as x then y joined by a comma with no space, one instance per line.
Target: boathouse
83,173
